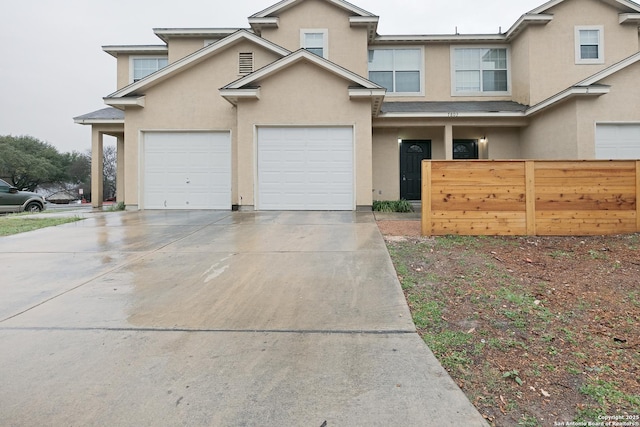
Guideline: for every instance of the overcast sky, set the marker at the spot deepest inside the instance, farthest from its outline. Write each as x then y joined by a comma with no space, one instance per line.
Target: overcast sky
52,67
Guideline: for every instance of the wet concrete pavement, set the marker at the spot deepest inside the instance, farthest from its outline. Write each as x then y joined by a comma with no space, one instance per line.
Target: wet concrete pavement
213,318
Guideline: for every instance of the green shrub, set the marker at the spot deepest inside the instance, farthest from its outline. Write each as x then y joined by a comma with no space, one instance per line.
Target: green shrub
392,206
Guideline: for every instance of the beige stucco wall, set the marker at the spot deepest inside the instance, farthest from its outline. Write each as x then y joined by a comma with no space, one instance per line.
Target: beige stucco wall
123,67
286,98
503,143
347,45
520,68
386,164
179,47
189,100
552,46
552,134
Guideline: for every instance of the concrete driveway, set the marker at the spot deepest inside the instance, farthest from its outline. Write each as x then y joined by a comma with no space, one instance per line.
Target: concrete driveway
213,318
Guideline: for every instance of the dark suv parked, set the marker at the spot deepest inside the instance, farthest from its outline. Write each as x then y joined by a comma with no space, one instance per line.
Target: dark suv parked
13,200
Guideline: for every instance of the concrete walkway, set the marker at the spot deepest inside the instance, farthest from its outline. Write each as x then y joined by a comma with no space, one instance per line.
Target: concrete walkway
214,318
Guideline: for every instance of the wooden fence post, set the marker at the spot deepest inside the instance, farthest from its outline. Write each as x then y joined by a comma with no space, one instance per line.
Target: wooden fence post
638,195
426,222
530,196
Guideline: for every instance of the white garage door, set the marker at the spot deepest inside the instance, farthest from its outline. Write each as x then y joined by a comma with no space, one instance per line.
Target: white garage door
305,169
187,170
618,141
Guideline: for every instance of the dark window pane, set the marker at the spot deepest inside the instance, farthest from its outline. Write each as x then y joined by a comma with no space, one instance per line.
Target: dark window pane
589,52
494,81
382,78
316,50
408,81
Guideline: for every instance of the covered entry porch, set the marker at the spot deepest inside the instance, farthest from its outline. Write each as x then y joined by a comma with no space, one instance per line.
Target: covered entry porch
400,144
106,122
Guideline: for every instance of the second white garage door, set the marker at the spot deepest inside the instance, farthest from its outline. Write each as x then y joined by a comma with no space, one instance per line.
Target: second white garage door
617,141
305,168
187,170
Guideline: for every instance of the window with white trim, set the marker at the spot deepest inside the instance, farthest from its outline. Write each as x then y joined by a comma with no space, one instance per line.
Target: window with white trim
480,71
141,67
315,41
398,70
589,45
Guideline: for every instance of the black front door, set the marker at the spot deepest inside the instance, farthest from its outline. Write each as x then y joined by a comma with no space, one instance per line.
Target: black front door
412,153
465,149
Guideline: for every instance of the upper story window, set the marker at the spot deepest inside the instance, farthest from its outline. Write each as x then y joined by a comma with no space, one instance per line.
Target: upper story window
141,67
398,70
480,71
589,45
315,41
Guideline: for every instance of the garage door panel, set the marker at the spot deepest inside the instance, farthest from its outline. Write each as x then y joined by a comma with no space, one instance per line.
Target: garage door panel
187,170
618,141
305,168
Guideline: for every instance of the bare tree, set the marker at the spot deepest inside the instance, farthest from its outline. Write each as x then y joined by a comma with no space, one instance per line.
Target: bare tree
110,171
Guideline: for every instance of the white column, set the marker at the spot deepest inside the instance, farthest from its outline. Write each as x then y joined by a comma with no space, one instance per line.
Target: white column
448,142
120,172
97,162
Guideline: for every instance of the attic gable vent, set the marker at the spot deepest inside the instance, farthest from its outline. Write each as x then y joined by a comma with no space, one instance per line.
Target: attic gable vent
245,63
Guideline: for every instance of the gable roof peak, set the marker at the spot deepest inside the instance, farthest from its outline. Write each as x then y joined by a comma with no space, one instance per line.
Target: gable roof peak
286,4
623,5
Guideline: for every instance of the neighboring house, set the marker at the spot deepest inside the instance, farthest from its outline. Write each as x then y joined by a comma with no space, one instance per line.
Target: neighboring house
311,109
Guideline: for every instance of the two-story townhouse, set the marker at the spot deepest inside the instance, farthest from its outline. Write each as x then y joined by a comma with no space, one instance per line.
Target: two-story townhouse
309,108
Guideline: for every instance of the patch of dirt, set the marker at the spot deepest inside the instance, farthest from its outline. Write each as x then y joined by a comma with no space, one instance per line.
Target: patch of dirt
537,331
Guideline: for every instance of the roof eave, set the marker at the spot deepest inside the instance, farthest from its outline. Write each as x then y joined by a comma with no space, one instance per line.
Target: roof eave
122,103
99,121
376,96
259,24
437,38
525,21
610,70
629,18
115,50
368,22
235,95
572,92
165,33
441,115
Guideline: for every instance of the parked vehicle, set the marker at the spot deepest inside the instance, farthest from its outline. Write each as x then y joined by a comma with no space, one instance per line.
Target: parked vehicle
14,200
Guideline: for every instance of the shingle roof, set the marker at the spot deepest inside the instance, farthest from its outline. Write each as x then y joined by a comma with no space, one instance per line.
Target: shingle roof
108,113
454,107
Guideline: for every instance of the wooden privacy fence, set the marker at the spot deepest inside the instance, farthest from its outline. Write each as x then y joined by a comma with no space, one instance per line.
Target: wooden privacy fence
530,197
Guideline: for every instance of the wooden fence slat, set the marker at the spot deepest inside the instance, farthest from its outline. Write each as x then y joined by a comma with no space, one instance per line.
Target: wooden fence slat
530,197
